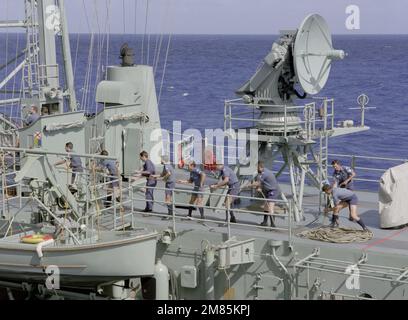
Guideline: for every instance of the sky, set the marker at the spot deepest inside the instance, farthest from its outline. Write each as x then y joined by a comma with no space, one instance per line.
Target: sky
222,16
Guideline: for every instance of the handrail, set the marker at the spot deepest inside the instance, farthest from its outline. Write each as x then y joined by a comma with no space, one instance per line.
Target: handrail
203,193
56,219
46,152
367,169
307,123
367,157
288,205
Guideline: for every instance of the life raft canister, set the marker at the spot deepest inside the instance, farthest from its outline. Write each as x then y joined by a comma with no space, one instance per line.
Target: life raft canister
35,238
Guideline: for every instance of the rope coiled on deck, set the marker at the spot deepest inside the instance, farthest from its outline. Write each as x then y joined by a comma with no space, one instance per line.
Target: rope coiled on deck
336,235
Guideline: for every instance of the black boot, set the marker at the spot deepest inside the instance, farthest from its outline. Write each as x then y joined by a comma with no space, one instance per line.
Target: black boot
190,211
201,213
170,209
334,221
272,218
170,212
361,223
108,201
265,221
233,220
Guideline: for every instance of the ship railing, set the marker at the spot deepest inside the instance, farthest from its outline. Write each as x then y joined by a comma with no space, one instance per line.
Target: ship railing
313,121
112,214
315,261
46,72
369,169
8,204
331,295
286,204
9,192
97,183
87,180
11,216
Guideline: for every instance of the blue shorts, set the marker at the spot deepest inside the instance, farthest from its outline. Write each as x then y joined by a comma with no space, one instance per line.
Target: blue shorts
348,187
233,190
169,188
114,182
197,189
272,195
151,183
353,200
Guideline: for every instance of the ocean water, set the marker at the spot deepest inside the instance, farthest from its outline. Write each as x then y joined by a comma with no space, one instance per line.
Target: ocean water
202,71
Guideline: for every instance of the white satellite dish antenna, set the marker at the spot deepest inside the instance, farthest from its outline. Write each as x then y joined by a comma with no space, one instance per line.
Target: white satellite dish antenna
313,53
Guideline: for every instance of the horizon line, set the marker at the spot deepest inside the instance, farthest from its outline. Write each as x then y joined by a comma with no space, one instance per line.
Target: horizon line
217,34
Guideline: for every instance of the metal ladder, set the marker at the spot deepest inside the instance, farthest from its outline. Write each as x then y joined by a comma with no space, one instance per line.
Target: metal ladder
324,153
31,83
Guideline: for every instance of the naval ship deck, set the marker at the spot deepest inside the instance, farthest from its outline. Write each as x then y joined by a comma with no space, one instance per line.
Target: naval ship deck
390,241
248,214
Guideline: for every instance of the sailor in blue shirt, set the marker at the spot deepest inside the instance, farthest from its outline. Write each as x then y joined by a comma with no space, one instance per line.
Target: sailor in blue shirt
32,117
148,171
74,162
230,179
197,178
112,167
269,187
342,175
343,198
169,177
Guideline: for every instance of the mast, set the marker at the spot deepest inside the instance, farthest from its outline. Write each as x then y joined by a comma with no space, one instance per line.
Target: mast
66,49
44,20
47,29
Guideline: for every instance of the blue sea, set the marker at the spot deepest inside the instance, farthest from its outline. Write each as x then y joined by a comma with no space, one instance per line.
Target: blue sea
204,70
